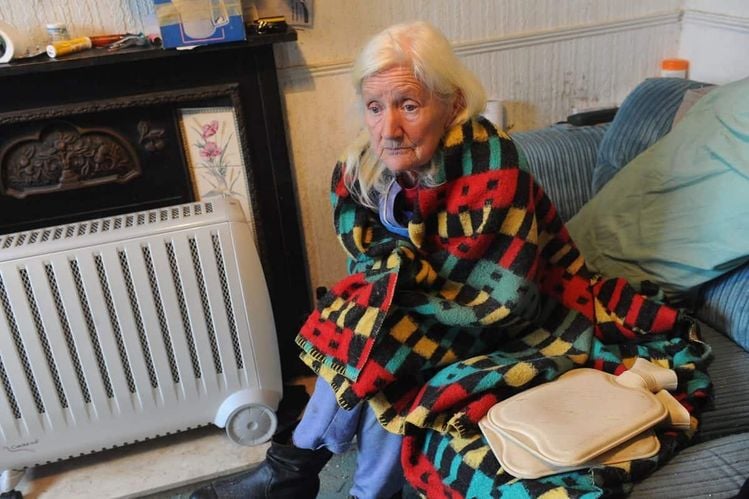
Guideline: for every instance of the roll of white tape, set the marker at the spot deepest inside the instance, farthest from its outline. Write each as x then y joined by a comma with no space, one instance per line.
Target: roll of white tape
13,44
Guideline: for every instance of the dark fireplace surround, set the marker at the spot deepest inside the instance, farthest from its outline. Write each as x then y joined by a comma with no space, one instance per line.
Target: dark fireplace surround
97,134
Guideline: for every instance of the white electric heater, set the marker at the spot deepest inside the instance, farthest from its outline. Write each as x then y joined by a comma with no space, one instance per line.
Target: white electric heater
125,328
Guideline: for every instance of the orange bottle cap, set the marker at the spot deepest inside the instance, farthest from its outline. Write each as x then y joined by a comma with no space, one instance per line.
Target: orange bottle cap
675,64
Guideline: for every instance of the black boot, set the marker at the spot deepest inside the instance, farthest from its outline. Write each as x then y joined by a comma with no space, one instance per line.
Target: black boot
288,472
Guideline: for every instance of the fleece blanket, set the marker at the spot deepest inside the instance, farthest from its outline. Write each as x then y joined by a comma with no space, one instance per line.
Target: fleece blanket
487,296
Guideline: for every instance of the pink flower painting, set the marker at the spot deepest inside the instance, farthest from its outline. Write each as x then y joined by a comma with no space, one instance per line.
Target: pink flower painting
213,148
209,129
212,139
210,150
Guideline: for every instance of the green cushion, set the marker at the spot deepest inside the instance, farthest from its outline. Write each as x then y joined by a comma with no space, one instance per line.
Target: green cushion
677,214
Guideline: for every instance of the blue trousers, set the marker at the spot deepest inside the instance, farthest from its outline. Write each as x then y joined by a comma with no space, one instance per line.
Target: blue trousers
378,472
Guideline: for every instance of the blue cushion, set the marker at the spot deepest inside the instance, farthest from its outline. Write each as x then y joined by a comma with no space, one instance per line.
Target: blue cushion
644,117
725,305
677,214
561,158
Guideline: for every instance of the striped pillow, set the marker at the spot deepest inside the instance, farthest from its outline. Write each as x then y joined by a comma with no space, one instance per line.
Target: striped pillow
562,158
725,305
645,116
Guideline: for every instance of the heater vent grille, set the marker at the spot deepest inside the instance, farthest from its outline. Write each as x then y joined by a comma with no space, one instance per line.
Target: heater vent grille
9,392
91,328
22,355
106,226
135,308
70,342
43,337
227,301
206,305
182,302
160,313
114,323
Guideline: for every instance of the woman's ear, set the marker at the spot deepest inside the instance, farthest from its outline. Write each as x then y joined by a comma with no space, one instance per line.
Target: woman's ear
458,105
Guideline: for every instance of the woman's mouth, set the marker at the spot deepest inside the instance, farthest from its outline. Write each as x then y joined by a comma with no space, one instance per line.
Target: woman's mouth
398,150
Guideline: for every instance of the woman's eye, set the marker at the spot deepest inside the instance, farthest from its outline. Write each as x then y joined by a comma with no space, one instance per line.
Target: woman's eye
373,108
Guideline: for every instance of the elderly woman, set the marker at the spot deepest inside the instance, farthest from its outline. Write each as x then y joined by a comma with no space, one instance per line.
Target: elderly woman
464,288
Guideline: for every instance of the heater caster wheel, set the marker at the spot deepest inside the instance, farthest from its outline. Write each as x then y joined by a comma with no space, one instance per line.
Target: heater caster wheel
251,424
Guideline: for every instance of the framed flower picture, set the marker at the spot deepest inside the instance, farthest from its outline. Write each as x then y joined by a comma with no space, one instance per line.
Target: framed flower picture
212,148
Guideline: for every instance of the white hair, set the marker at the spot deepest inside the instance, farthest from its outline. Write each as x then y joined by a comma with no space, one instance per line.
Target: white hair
423,49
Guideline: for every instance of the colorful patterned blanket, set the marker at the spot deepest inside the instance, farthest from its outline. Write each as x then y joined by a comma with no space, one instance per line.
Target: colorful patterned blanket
487,297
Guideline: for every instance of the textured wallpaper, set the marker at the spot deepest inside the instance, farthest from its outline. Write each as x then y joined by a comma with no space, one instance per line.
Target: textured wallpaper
83,17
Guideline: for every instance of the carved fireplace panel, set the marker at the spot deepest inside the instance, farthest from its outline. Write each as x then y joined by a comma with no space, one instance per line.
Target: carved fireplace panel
63,156
78,166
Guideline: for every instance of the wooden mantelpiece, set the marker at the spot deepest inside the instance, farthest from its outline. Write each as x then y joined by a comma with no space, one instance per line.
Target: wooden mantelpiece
242,75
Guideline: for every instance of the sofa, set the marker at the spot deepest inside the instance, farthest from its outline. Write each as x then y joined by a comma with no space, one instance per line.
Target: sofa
574,165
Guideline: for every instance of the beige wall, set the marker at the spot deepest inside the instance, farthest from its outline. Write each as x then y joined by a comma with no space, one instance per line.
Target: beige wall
736,8
714,38
541,58
83,17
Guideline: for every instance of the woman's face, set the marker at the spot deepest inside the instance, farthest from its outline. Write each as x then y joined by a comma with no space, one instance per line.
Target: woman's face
405,120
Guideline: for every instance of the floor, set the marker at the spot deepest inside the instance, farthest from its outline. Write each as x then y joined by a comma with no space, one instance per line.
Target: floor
177,464
336,478
335,481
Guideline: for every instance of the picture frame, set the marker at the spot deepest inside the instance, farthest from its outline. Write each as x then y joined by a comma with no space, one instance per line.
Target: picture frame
213,151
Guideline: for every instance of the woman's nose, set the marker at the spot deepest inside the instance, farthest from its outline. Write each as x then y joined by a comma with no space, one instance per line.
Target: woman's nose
391,128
